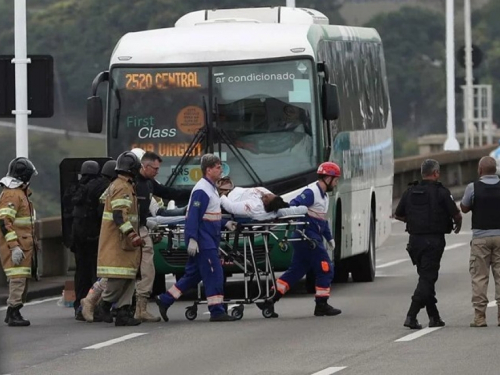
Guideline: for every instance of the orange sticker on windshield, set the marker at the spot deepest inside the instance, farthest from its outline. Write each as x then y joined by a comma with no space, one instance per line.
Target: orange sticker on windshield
190,119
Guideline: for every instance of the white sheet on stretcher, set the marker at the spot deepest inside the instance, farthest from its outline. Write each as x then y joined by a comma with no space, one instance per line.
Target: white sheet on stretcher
247,202
153,222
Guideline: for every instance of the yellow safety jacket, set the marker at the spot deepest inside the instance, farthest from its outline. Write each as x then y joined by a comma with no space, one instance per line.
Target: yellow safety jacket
117,257
16,211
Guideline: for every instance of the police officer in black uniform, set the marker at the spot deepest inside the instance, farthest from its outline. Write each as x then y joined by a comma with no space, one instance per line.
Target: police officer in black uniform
87,216
147,187
429,211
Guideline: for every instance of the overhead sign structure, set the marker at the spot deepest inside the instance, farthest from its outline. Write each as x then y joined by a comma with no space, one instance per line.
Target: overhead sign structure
40,86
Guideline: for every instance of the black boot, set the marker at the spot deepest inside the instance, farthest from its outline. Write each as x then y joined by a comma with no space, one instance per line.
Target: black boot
104,311
324,309
123,317
16,319
411,317
436,321
412,323
7,315
434,317
162,307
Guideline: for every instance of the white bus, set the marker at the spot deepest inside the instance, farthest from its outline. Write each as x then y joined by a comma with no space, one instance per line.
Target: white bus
275,92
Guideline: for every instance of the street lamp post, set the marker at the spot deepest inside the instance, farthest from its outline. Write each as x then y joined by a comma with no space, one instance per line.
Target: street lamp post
21,78
451,143
469,94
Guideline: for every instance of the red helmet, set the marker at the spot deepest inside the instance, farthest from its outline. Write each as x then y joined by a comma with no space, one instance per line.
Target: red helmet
329,168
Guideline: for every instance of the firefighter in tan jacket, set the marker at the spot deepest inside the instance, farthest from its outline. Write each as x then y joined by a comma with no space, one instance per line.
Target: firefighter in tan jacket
16,236
119,254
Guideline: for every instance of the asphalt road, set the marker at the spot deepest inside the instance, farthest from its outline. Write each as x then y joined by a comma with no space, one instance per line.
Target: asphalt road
367,338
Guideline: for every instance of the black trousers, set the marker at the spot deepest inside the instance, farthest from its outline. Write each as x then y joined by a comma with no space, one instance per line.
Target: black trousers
86,269
426,251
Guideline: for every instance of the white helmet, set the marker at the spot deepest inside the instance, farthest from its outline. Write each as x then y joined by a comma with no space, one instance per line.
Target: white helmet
139,152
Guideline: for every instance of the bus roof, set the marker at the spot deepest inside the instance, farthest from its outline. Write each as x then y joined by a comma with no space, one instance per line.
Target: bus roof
257,14
230,41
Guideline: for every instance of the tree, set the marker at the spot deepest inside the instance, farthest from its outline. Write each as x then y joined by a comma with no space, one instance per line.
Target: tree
81,34
414,46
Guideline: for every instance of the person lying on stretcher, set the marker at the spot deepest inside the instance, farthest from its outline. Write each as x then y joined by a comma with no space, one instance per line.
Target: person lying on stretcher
257,203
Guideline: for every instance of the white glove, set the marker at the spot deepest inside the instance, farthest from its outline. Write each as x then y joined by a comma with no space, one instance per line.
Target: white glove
231,225
192,247
17,255
331,245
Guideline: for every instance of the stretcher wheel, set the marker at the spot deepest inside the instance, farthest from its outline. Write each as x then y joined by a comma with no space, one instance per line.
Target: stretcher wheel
283,246
267,312
237,312
191,313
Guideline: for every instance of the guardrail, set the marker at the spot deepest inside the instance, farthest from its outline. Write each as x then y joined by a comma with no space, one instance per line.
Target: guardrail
458,168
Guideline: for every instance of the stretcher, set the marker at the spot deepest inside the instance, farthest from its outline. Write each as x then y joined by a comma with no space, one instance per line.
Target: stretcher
238,248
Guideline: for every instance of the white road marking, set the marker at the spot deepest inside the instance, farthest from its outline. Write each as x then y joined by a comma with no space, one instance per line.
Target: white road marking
329,370
416,335
114,341
492,303
398,261
454,246
35,302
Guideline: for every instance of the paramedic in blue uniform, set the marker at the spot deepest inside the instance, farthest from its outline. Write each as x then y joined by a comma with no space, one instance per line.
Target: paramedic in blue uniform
202,236
309,255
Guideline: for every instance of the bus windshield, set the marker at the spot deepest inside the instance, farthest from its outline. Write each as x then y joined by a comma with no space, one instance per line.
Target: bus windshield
261,118
267,112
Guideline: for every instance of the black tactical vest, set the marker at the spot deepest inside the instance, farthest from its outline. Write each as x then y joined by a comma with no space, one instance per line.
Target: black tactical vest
425,214
486,206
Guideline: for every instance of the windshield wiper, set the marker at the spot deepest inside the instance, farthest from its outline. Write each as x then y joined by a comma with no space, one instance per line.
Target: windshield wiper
224,137
198,138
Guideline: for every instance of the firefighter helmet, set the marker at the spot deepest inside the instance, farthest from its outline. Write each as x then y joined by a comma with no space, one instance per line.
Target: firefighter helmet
90,167
139,152
21,169
329,168
128,163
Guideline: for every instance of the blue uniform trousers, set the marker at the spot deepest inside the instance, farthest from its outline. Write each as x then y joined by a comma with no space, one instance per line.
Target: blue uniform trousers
304,259
206,266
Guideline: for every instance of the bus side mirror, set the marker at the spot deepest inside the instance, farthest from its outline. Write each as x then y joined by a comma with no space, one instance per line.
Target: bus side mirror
94,114
330,102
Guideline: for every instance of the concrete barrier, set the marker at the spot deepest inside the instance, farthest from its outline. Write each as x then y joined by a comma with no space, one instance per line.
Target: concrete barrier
53,257
458,168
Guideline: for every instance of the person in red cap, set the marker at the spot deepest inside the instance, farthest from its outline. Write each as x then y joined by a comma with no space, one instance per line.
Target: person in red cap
312,256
